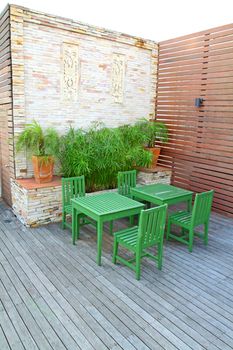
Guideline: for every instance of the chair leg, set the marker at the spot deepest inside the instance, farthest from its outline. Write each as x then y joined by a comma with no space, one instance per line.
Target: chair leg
63,224
138,266
160,255
115,251
206,228
191,240
168,229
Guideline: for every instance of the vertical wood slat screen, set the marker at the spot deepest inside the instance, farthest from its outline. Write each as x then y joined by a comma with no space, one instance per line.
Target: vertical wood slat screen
200,148
6,124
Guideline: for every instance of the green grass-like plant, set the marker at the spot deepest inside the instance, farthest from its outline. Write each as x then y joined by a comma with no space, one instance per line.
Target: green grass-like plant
100,152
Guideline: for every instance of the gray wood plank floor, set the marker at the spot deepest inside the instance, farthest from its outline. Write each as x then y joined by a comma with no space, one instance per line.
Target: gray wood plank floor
53,295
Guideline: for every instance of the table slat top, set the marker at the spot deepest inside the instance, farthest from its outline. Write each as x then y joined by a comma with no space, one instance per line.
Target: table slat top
107,203
161,191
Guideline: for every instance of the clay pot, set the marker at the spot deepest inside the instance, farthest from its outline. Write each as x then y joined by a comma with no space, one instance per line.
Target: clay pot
155,152
43,168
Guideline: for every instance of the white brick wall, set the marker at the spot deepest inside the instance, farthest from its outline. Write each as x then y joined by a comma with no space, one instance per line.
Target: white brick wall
42,73
36,70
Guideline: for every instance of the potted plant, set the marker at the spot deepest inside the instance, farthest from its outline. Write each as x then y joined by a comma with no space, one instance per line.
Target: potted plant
155,134
42,145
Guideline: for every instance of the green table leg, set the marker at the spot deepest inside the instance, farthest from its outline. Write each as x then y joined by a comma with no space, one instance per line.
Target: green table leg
99,241
74,224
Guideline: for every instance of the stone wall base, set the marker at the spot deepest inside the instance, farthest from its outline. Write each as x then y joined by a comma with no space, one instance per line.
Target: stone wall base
36,204
153,176
39,204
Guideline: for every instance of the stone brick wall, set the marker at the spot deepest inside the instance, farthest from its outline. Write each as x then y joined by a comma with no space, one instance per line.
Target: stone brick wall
153,176
42,48
36,205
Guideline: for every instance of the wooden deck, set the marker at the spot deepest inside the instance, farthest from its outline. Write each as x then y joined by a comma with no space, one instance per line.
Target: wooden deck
54,296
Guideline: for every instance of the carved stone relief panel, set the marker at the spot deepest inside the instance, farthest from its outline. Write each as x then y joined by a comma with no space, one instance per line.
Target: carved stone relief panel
69,71
118,77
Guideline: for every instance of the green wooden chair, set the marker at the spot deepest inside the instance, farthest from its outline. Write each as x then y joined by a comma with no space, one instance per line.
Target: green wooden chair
126,180
138,239
188,221
72,187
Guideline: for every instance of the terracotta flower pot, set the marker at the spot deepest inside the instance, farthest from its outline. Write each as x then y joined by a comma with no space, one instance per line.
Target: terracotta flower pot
43,168
155,152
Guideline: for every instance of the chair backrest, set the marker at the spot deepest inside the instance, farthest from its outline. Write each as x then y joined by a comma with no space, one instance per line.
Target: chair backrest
202,207
126,180
72,187
151,226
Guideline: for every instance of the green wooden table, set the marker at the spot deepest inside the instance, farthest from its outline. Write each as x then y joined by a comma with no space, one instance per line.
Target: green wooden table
102,208
163,194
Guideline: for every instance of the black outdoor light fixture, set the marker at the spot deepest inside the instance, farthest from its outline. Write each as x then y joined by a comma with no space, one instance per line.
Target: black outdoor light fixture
199,101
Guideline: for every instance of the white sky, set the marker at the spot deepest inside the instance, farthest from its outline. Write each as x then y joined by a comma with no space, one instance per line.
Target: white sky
153,19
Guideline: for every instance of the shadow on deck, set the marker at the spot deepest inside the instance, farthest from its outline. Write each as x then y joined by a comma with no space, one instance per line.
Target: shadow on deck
54,296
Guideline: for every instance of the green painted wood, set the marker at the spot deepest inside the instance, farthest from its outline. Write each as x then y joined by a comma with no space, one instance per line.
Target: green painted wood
138,239
72,187
106,204
163,194
102,208
188,221
126,181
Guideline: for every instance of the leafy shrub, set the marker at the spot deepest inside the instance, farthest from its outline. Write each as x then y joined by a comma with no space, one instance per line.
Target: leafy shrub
100,153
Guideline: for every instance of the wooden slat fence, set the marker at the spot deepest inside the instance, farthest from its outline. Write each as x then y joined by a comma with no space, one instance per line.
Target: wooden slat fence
200,148
6,124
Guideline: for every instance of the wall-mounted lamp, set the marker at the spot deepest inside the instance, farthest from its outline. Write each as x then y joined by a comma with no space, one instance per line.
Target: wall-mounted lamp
199,101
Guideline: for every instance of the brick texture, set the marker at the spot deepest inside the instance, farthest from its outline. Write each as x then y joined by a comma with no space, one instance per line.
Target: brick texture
37,40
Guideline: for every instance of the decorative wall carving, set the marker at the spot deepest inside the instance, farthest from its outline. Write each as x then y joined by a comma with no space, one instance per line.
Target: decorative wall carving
70,72
118,77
